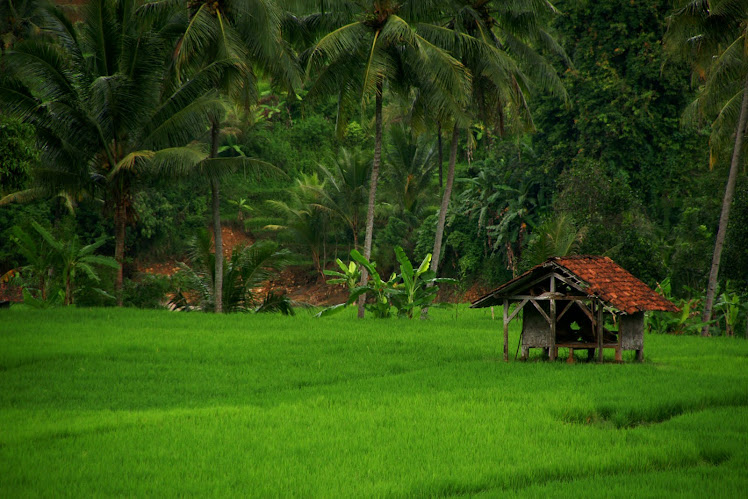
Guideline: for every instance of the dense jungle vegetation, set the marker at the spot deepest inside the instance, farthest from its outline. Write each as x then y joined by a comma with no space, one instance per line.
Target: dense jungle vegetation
489,134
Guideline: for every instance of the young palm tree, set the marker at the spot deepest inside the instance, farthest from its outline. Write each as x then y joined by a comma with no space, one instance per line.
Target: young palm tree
344,192
240,36
410,164
379,43
68,258
556,236
104,106
249,267
306,218
712,36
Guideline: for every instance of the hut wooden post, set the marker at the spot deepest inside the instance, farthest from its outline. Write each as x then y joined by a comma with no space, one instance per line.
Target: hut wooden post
619,348
553,351
506,330
599,310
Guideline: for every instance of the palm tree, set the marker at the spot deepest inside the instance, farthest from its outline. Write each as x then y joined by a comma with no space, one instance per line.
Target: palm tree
380,44
306,218
18,20
502,54
497,42
556,236
104,106
248,269
712,36
69,258
240,35
344,193
410,164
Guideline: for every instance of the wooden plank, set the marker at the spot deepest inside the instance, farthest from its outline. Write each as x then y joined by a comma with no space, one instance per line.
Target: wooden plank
519,307
599,310
547,296
539,279
542,312
506,330
619,348
586,311
554,350
580,344
566,308
568,281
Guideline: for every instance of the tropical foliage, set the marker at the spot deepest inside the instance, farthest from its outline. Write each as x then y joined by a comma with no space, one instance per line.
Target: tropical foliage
491,135
244,273
104,106
413,288
56,265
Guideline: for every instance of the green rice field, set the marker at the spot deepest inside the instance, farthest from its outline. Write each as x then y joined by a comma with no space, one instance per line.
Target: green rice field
106,402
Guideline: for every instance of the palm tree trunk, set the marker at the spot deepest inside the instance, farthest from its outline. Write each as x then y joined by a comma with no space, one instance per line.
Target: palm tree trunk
120,221
69,292
443,209
217,236
372,194
441,156
725,215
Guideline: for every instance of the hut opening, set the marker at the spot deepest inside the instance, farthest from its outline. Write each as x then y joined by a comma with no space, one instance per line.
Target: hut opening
577,302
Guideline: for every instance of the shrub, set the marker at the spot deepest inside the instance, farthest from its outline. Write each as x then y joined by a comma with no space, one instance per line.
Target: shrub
148,291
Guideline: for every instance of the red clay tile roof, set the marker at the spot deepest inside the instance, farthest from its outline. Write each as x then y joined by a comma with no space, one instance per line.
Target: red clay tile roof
600,276
614,284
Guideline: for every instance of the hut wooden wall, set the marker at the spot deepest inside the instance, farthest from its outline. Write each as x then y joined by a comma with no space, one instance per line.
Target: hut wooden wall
631,329
536,332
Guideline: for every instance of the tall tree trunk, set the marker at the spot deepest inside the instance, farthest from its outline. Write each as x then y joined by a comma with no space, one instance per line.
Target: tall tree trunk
725,215
68,291
372,194
441,156
435,255
217,236
120,222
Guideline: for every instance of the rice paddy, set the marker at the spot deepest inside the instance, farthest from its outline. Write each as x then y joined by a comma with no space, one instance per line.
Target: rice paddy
103,402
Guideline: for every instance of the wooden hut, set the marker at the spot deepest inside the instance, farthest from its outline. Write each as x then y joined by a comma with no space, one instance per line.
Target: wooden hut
577,302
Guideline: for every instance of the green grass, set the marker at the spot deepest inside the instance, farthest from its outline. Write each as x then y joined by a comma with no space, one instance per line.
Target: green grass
122,402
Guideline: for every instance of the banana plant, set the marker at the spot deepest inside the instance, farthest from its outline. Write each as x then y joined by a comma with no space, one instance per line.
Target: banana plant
417,285
350,275
381,289
729,304
411,289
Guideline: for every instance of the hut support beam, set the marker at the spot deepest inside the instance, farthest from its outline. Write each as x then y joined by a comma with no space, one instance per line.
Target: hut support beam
554,350
599,310
619,348
516,310
542,312
566,308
